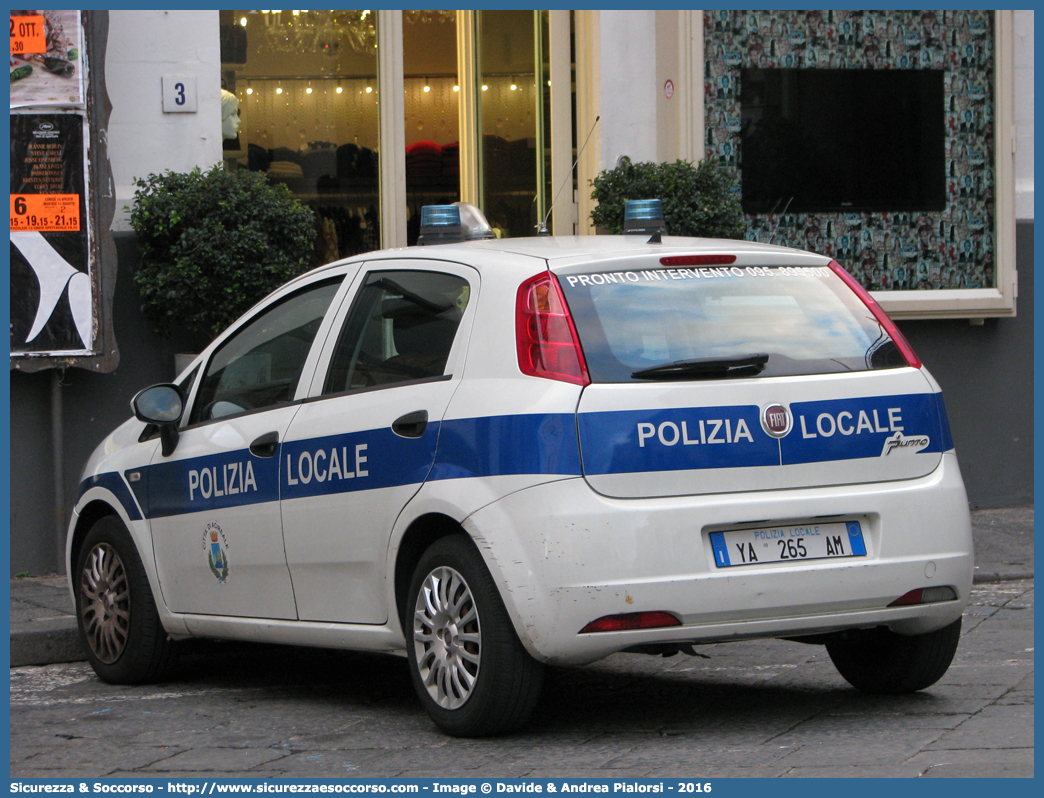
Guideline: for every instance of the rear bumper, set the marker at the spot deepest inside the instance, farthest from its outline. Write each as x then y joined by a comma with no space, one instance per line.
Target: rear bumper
565,556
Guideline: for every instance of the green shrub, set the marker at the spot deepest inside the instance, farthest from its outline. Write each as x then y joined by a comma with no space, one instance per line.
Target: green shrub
697,200
214,243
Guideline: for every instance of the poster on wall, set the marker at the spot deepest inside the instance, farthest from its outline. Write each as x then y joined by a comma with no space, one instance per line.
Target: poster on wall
46,59
51,297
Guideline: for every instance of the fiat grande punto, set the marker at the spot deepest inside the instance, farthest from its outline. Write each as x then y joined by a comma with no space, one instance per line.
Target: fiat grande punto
493,455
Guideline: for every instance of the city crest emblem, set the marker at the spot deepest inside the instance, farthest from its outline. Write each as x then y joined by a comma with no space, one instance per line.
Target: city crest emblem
216,547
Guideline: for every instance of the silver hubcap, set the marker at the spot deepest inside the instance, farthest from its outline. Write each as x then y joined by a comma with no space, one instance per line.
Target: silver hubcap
447,638
105,603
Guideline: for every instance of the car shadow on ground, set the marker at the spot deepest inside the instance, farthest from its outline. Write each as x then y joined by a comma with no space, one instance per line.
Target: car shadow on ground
624,692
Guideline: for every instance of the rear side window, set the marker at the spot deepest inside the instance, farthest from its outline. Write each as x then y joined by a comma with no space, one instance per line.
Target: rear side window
400,328
712,323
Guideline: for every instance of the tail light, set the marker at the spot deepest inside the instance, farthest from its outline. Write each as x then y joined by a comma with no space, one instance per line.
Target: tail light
698,260
632,620
926,595
546,338
889,326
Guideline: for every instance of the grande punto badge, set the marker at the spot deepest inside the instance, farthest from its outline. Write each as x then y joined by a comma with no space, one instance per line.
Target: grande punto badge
776,421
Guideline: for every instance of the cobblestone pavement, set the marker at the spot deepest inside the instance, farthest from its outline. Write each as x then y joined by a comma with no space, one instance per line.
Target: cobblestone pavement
757,708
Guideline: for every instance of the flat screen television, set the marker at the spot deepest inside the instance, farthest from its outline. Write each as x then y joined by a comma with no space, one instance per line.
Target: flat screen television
843,140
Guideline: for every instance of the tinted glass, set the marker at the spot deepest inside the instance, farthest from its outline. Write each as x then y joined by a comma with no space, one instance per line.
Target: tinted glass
261,364
400,328
805,319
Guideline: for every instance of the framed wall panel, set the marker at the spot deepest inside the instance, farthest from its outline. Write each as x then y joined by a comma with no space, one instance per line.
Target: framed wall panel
956,260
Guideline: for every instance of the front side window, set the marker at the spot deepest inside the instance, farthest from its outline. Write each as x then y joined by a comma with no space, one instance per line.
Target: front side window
400,328
261,364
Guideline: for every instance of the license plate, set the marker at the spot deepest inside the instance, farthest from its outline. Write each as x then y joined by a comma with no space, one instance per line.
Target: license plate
788,544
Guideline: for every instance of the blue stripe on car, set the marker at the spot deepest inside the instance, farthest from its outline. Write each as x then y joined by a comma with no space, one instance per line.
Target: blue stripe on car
731,436
628,441
355,461
615,442
501,445
846,429
113,483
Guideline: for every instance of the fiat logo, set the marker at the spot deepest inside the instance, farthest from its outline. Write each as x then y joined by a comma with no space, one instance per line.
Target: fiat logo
776,420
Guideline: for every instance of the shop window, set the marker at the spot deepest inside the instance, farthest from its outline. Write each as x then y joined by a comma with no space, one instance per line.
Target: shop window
513,103
431,95
309,99
308,107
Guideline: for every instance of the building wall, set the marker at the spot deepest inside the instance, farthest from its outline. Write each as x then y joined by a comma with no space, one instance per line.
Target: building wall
986,373
628,86
1024,115
143,47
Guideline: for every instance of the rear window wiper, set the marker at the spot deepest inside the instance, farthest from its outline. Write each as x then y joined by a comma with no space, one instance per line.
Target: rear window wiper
704,367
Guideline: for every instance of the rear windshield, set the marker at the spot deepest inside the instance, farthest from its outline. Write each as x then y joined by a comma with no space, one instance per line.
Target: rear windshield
711,323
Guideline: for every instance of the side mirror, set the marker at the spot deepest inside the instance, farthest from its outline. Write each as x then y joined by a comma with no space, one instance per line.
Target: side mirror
162,405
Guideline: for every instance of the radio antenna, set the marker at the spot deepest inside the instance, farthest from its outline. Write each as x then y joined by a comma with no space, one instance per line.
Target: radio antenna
542,226
758,238
780,219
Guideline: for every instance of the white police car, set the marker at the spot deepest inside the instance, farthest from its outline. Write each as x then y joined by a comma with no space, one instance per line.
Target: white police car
498,454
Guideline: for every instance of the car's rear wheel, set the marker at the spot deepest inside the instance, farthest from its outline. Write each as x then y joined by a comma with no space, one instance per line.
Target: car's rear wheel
472,674
881,661
119,626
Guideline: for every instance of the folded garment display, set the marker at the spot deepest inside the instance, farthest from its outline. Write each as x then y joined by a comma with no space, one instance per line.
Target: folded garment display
283,170
424,159
451,159
507,165
319,162
354,161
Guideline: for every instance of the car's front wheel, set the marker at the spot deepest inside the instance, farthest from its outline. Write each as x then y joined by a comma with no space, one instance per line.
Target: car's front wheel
881,661
119,626
472,674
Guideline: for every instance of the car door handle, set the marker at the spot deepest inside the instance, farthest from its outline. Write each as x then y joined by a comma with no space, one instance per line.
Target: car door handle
411,425
266,445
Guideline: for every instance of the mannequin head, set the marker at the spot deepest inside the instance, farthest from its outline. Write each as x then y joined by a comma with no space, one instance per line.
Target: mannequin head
229,115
